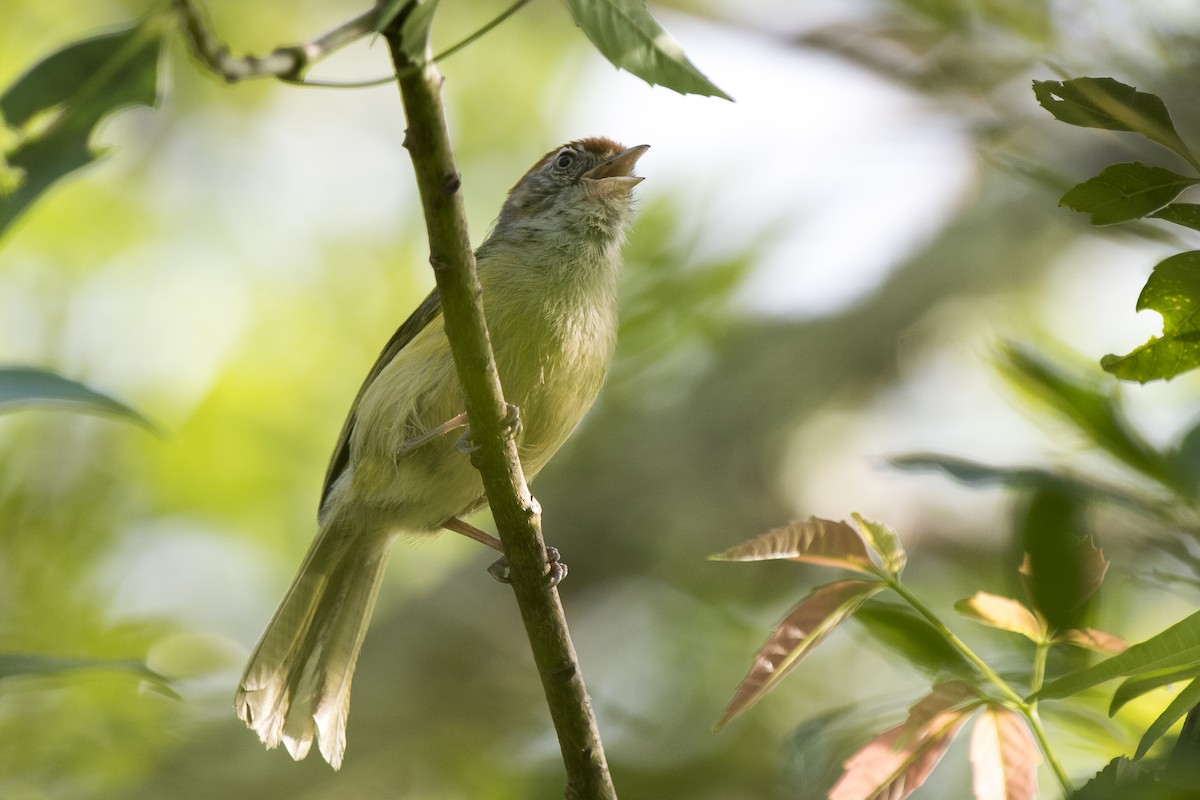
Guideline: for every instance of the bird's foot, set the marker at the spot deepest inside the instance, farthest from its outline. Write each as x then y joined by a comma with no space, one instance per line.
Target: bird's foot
556,569
511,424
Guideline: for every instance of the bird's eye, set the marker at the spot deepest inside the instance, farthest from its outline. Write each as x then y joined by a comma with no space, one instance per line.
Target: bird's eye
565,159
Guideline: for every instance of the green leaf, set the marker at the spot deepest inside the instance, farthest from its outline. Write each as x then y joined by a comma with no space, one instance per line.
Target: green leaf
59,101
1173,290
1183,701
30,665
22,387
628,36
1136,687
1111,105
885,542
814,541
805,626
1124,192
1062,568
1185,214
1178,647
1123,779
911,636
1090,403
818,746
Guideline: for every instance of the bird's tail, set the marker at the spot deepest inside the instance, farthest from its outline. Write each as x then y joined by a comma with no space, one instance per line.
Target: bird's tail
297,684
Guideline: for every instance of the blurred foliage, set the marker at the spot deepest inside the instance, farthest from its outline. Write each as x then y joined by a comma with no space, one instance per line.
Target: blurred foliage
232,269
52,109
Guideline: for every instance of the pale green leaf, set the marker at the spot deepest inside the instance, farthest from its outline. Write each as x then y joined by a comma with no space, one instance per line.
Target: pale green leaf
884,541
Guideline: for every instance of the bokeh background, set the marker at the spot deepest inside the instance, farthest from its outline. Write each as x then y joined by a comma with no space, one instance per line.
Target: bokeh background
819,278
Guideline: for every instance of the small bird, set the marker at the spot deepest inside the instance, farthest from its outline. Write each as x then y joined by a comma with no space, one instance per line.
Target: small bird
549,270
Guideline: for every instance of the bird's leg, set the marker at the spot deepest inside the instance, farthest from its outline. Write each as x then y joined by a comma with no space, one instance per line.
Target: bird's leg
556,570
452,424
511,423
471,532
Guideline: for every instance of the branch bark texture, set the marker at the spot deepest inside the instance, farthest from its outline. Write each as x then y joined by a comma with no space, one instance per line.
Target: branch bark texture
515,510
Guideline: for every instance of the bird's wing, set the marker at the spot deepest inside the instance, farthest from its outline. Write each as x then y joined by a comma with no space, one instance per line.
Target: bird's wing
425,313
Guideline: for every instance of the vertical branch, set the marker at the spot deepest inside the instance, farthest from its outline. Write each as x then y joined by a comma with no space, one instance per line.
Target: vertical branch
513,507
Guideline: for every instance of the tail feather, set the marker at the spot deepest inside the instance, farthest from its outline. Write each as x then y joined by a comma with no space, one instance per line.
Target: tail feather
296,687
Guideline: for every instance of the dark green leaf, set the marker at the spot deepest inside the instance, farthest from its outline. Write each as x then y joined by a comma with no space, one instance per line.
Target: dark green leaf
1123,192
68,93
920,644
1111,105
1123,779
973,473
22,387
1136,687
1187,697
819,746
1173,290
1092,405
1062,568
29,665
1178,647
628,36
1185,214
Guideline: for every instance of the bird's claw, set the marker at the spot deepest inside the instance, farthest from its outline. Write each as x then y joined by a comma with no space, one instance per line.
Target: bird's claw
511,425
556,569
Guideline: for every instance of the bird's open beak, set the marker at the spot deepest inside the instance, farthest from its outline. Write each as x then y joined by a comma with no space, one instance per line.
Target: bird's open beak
617,172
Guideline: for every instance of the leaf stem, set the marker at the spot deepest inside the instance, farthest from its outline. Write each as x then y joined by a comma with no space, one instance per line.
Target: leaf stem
1010,695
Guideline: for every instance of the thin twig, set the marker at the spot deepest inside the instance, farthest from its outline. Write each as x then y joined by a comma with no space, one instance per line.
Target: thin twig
515,511
286,63
289,63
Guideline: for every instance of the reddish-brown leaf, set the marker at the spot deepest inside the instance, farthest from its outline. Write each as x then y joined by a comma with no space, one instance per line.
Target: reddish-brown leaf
897,761
1004,613
1004,758
946,696
808,623
815,541
885,768
1093,639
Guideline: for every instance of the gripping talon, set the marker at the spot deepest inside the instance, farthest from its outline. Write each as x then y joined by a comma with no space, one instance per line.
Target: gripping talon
498,569
556,570
511,424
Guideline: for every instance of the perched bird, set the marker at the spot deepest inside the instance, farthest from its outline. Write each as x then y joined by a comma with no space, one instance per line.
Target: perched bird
549,270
